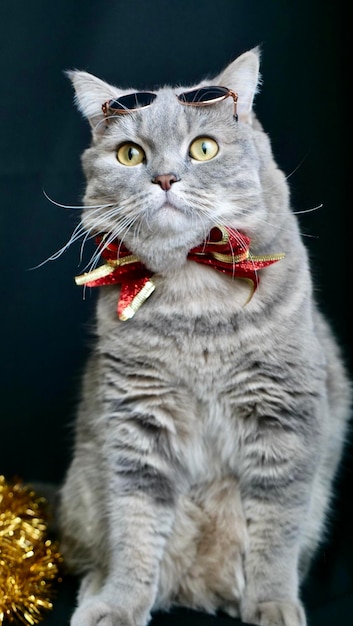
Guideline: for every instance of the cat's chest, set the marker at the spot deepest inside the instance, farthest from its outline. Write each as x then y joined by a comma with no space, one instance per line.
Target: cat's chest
199,354
202,354
202,371
195,335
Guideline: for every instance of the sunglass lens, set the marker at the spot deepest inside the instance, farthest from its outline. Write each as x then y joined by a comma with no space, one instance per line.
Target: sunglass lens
132,101
203,94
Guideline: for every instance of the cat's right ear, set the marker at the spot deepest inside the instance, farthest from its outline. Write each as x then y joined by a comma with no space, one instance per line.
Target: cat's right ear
90,93
242,76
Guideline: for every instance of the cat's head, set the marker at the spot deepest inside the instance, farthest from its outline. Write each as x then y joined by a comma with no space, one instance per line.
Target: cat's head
160,177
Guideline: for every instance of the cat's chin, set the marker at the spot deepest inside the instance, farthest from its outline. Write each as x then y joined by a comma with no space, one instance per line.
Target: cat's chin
168,219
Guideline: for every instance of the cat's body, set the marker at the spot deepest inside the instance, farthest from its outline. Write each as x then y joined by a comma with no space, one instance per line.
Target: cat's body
211,426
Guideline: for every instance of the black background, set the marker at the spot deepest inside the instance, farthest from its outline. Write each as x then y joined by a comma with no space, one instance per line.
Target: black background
303,104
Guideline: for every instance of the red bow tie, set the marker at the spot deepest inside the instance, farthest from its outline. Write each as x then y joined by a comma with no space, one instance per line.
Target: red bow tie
225,250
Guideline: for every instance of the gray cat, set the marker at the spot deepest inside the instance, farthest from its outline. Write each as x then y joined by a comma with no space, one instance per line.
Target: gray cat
215,403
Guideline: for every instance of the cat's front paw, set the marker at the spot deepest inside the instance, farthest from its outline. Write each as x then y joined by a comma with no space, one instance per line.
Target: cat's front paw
98,613
274,614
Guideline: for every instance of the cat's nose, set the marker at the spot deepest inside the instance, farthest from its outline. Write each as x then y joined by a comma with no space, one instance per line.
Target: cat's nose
165,181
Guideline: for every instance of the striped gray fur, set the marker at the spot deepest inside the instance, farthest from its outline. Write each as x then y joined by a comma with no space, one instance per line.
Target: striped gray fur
210,428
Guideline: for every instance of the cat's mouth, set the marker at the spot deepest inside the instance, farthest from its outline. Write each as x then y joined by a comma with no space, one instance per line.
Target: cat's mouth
169,215
171,206
172,203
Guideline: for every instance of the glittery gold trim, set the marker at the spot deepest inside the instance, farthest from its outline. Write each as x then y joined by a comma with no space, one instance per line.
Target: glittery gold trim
106,269
252,288
125,260
229,258
267,257
138,300
99,272
29,562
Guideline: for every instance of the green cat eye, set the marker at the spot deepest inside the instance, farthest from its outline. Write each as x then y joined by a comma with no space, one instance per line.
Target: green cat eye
203,149
130,154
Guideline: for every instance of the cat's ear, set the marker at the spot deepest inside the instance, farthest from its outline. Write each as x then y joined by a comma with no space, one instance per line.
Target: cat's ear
90,93
243,77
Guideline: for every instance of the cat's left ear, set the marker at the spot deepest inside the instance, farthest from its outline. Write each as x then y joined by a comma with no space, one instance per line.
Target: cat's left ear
243,77
90,94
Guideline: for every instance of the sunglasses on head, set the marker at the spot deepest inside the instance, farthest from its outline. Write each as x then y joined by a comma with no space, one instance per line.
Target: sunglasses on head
203,96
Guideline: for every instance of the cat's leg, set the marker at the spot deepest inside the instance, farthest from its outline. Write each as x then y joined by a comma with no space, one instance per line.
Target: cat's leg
86,543
137,528
332,449
140,488
90,585
276,484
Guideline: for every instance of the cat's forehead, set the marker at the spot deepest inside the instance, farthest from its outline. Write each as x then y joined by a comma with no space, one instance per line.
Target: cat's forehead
165,108
166,116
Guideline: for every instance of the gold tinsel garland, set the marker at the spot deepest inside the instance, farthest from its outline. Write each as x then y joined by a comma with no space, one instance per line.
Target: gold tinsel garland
29,561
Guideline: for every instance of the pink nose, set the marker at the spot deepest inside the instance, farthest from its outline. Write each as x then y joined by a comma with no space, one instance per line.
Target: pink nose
165,180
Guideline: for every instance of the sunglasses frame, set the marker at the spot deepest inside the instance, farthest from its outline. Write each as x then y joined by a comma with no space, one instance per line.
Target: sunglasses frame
109,111
226,94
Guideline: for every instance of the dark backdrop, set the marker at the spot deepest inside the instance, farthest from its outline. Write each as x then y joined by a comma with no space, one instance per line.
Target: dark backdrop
303,105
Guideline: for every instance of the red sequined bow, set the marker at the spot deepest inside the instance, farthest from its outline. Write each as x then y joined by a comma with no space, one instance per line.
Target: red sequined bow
225,250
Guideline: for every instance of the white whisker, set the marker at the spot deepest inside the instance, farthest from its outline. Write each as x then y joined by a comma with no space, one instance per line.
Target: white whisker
314,208
77,233
73,206
122,227
298,166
